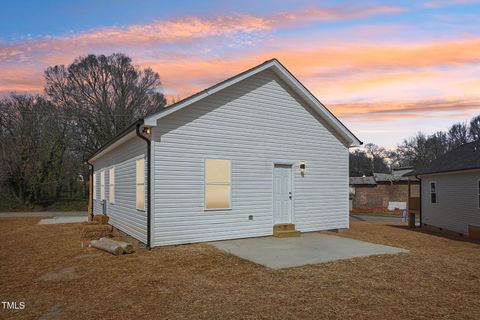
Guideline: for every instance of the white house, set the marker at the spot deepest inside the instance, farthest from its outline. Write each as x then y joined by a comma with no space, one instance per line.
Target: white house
231,161
450,191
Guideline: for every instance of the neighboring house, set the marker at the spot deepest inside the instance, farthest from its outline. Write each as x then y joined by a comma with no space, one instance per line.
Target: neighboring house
232,161
402,171
381,192
450,190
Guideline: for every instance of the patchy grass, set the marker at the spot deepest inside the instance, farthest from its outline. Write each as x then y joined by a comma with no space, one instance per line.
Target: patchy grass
11,204
377,212
69,205
45,266
8,203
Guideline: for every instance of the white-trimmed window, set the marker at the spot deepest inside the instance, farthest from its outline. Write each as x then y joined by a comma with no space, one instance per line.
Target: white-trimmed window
217,184
111,181
94,186
102,185
140,183
433,192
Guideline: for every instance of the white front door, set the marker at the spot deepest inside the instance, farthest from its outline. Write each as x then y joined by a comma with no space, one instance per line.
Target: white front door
282,194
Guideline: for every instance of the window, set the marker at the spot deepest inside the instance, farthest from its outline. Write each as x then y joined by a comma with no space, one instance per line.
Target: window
478,191
111,191
433,192
94,186
140,180
102,185
217,184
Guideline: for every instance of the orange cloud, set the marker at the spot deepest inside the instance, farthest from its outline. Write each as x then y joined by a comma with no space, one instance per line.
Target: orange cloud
345,72
386,110
191,28
180,51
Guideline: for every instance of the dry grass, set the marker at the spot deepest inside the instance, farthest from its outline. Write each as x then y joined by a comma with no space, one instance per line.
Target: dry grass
45,266
95,231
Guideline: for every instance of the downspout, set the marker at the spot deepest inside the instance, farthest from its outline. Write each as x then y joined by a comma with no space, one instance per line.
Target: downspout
420,208
149,156
90,191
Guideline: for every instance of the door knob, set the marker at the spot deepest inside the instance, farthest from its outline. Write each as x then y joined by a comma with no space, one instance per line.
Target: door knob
290,195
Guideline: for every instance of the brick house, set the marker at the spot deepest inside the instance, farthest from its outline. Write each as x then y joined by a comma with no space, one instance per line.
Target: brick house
385,192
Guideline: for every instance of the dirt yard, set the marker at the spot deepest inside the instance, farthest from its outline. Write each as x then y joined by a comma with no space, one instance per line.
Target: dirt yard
45,267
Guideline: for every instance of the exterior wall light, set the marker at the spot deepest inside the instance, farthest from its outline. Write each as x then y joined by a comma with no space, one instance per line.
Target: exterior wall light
302,167
146,130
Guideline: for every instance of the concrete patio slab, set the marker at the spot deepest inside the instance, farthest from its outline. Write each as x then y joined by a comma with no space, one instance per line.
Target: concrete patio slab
309,248
60,220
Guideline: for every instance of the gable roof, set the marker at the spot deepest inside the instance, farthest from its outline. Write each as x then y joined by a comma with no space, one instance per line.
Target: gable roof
286,76
465,157
281,71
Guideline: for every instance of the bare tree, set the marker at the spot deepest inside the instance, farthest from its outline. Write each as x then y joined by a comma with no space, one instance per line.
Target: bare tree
102,95
360,164
457,135
474,129
378,156
32,146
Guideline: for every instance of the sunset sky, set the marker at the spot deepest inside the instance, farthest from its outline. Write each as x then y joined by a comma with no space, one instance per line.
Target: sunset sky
386,69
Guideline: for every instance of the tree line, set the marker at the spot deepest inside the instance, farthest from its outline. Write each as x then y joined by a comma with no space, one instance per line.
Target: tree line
46,139
415,151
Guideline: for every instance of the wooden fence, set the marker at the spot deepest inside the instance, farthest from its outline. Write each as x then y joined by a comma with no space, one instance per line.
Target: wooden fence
414,204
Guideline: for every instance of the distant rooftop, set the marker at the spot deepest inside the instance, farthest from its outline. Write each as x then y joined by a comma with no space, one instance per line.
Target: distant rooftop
362,180
379,178
465,157
402,171
387,177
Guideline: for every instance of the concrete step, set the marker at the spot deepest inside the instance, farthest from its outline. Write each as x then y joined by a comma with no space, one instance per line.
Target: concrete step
287,234
284,227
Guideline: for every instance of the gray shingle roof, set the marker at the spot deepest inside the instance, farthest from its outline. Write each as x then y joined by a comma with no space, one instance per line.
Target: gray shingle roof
386,177
362,180
465,157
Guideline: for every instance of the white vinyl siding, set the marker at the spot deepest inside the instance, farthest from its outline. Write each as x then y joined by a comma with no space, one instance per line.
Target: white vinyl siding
217,184
94,186
140,184
457,201
111,191
254,123
124,214
102,185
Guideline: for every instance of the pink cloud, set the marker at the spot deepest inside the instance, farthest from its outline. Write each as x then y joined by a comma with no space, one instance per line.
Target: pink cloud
444,3
180,51
413,109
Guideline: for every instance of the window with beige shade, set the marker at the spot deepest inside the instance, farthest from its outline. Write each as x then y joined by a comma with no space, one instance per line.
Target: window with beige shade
217,184
94,187
111,192
140,183
102,185
478,185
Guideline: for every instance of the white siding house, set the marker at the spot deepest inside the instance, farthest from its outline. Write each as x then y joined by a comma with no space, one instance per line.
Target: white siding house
232,161
456,203
450,190
123,212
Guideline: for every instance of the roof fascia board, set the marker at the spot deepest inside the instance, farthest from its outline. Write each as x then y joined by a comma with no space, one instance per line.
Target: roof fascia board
115,144
449,172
